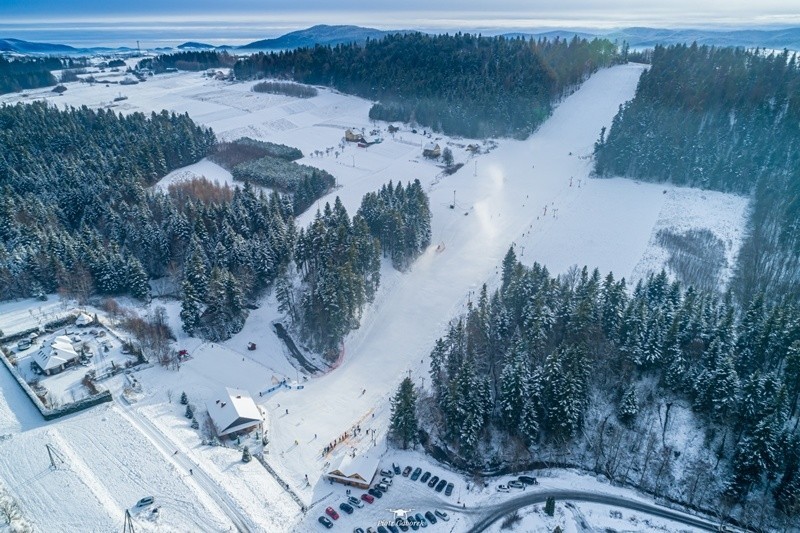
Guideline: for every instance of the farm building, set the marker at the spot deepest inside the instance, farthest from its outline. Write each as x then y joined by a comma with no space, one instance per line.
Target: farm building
355,471
55,358
234,412
353,136
431,150
83,320
369,140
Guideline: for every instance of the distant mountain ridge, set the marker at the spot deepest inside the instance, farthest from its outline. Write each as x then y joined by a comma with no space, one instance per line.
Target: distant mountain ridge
191,45
639,37
320,34
25,47
649,37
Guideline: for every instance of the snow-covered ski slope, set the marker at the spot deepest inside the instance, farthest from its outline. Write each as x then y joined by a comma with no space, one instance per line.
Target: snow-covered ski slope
604,223
113,457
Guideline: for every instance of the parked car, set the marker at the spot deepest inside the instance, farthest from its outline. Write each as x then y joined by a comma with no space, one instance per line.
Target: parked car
440,486
383,487
23,344
369,498
346,507
330,511
382,529
415,475
355,502
406,471
448,491
393,528
425,477
387,473
502,488
386,481
396,469
370,530
433,481
144,502
358,530
431,517
421,520
325,521
442,515
514,484
528,480
412,523
375,493
401,523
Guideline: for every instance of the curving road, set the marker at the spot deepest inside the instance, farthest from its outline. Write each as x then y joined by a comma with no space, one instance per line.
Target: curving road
496,512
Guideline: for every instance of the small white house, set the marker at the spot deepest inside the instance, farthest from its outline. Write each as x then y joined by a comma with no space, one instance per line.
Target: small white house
357,471
234,411
55,358
83,320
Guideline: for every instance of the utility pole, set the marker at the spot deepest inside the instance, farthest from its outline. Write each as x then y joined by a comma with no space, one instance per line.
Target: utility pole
138,46
475,172
54,455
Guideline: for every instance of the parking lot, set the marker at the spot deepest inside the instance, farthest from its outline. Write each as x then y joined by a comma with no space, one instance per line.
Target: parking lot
402,497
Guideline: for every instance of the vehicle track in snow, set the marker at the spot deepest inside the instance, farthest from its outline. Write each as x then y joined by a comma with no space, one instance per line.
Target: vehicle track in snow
227,505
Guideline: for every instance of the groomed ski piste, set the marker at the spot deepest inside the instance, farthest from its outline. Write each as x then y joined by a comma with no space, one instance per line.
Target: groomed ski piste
536,194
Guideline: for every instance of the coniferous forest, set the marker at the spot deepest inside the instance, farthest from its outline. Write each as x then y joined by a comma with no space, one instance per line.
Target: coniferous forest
193,60
459,84
273,165
401,219
338,260
583,370
19,74
724,119
77,215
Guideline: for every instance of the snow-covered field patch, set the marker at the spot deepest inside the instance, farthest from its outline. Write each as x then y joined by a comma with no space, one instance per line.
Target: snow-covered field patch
684,209
202,169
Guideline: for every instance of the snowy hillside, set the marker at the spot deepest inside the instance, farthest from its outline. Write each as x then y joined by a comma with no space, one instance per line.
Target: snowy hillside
535,194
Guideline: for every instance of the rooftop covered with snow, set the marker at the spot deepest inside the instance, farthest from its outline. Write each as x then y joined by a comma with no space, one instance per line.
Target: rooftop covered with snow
233,410
356,469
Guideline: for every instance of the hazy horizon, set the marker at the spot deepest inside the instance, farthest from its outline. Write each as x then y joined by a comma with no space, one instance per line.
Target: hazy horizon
237,21
235,31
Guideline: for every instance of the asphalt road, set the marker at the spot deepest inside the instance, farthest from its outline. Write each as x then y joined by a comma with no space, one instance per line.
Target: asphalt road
490,515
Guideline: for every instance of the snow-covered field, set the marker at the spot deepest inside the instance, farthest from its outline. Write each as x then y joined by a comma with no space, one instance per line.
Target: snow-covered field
683,209
535,193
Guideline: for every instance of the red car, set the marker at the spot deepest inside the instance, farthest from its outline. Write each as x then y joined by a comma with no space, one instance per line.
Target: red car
330,511
367,498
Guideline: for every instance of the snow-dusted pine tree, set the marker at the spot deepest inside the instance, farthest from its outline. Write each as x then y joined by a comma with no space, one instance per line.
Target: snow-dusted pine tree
403,425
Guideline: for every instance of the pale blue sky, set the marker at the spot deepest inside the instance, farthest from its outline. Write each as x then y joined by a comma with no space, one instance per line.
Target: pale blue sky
412,13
